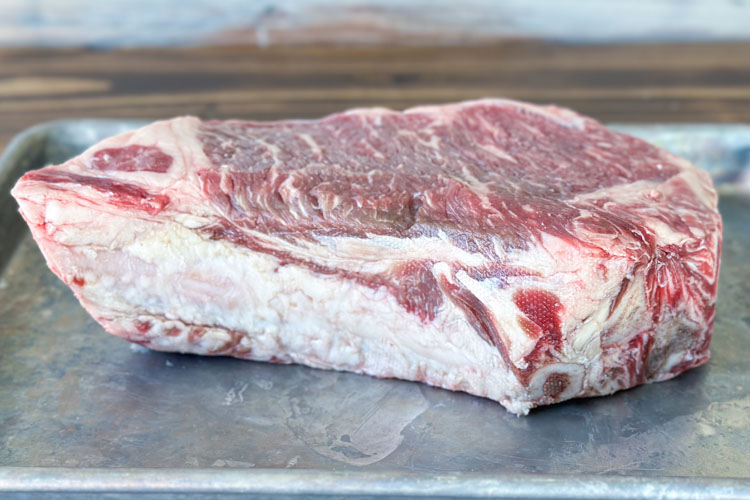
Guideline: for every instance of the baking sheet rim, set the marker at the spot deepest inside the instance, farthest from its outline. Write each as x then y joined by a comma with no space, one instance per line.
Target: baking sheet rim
310,482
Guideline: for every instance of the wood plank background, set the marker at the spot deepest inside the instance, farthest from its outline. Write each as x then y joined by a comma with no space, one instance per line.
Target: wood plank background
664,82
119,23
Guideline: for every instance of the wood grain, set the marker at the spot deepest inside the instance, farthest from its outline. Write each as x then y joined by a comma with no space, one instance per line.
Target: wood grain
614,83
128,23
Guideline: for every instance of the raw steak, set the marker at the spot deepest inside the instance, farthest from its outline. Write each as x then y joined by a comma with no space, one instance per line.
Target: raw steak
521,253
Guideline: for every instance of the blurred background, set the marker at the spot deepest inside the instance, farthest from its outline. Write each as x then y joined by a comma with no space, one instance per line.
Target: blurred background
619,60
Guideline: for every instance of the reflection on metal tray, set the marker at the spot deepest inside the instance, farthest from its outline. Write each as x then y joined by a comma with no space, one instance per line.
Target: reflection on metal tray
83,411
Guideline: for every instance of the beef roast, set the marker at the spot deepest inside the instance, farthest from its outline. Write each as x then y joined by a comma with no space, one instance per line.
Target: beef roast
521,253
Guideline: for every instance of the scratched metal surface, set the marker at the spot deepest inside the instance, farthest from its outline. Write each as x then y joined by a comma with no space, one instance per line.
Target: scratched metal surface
75,399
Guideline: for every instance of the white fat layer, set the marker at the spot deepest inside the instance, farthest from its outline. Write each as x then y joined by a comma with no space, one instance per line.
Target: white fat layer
171,276
54,209
159,134
380,250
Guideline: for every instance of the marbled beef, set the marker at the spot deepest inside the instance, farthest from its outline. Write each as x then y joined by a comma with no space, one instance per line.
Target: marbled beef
521,253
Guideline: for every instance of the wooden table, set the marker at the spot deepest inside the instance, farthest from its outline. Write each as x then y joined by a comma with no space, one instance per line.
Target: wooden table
614,83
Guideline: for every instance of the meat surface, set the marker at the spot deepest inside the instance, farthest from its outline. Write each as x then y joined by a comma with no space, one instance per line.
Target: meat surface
521,253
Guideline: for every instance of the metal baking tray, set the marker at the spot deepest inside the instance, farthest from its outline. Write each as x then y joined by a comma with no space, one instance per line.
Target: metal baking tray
83,412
